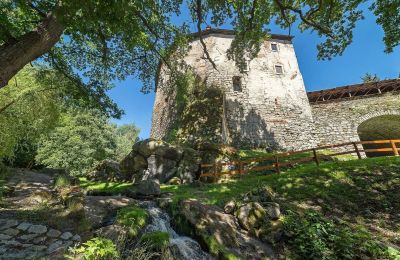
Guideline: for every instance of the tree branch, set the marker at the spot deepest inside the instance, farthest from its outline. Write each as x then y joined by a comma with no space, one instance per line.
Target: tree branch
199,22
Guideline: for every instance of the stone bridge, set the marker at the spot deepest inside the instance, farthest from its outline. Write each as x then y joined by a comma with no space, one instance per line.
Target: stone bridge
339,112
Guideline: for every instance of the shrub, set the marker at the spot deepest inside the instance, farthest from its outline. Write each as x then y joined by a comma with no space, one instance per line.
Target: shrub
157,239
132,217
94,249
62,181
315,237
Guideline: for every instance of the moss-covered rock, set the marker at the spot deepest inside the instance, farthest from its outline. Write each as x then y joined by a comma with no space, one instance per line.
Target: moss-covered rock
158,240
132,217
251,215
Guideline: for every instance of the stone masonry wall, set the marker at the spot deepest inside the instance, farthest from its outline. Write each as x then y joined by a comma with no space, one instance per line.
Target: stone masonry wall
337,122
270,110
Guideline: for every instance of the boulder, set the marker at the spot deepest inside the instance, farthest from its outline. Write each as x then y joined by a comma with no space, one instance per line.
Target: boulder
106,170
160,168
273,210
219,230
230,207
148,187
189,166
98,208
251,215
116,233
174,181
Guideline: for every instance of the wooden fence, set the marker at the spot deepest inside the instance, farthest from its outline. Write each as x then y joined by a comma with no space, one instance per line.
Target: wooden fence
277,161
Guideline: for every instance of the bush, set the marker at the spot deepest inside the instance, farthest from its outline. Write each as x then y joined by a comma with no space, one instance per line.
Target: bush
94,249
132,217
62,181
157,239
315,237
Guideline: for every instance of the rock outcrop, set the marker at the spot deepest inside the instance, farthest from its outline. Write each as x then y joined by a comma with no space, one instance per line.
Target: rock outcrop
106,170
222,233
155,159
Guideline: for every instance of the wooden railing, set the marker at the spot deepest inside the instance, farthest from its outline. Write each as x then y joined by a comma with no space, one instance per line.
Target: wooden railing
277,161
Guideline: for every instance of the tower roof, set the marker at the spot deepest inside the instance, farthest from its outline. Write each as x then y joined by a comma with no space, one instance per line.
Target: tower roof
209,31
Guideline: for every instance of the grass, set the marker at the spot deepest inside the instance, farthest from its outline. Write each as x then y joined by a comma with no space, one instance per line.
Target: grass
107,187
132,217
360,192
156,239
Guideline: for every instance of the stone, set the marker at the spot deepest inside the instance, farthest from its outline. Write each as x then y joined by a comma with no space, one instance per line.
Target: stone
53,233
174,181
24,226
5,237
54,246
97,208
28,237
273,210
8,223
66,235
76,238
211,222
148,187
39,240
230,207
13,243
11,232
251,215
160,168
106,170
116,233
37,229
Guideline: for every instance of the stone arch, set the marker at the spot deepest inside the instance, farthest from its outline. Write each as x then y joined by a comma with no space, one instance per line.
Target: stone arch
358,121
379,126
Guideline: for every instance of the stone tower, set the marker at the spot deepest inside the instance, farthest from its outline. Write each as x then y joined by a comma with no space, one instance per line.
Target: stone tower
267,106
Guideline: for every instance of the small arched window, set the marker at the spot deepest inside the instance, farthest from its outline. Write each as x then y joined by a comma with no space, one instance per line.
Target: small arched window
237,83
274,46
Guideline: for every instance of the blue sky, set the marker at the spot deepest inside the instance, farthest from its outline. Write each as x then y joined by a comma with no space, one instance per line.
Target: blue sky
365,54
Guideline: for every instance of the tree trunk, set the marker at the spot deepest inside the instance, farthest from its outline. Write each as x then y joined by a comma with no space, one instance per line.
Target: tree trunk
28,47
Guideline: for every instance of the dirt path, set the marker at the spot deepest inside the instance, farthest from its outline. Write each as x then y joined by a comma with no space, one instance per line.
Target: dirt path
29,190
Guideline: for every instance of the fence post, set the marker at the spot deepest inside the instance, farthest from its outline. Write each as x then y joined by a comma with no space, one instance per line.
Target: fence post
240,169
277,164
357,151
394,147
215,172
315,156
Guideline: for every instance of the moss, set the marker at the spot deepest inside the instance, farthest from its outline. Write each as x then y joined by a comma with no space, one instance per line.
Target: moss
157,239
132,217
219,250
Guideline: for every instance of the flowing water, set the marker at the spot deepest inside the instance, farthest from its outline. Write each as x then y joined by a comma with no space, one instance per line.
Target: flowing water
183,247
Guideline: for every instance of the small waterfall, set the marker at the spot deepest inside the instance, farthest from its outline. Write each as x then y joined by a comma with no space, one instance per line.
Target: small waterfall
182,247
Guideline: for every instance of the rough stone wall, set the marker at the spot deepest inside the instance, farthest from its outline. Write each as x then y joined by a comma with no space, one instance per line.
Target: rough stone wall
337,122
271,110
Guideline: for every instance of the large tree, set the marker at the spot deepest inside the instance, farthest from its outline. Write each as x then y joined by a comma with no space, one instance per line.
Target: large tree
108,40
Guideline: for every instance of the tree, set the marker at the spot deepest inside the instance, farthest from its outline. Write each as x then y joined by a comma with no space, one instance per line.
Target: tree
108,40
126,136
367,78
79,141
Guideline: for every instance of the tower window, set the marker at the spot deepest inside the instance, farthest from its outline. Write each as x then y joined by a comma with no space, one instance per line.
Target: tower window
274,47
237,83
279,69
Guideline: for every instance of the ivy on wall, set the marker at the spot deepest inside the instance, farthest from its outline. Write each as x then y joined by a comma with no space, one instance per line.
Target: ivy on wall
199,110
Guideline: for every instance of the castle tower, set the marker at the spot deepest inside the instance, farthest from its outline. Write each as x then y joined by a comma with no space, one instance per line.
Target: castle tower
267,106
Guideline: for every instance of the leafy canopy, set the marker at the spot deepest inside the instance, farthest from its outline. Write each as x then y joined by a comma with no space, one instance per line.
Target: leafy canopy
80,140
110,40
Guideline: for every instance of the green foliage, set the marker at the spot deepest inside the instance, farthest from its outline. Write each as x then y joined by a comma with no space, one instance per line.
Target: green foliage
80,140
126,136
315,237
368,78
156,239
132,217
200,108
62,181
29,108
95,249
219,250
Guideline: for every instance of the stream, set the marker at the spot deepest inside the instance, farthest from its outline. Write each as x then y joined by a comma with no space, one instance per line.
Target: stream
182,247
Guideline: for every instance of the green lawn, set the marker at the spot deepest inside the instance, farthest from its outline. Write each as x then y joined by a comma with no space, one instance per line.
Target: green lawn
108,187
360,193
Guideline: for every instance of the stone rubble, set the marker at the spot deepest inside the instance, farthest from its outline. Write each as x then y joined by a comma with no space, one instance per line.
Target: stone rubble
23,240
